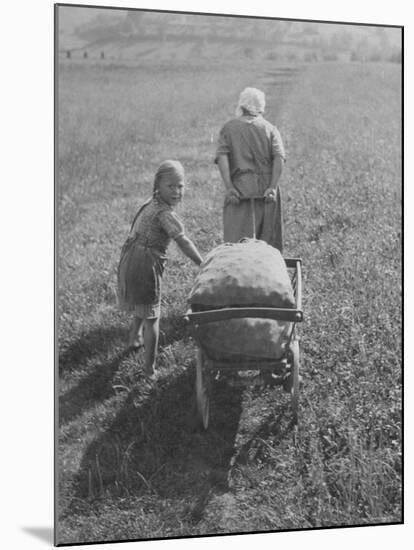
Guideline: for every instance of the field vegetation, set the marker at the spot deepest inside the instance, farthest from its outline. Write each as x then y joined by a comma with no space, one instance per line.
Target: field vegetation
131,461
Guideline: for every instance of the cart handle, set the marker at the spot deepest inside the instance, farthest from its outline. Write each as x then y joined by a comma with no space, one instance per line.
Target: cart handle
254,198
222,314
253,210
292,262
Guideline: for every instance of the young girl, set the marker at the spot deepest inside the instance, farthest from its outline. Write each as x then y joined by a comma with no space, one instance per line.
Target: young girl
143,258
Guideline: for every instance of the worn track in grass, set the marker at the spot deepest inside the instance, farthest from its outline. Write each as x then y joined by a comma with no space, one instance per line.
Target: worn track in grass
131,463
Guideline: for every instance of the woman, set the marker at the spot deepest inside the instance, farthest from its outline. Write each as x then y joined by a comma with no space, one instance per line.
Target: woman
250,156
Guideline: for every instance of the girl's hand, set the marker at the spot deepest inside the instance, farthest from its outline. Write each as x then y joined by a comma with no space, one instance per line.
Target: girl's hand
232,197
270,195
189,249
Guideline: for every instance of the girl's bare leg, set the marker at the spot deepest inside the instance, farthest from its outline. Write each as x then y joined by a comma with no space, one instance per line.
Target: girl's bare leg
135,334
151,332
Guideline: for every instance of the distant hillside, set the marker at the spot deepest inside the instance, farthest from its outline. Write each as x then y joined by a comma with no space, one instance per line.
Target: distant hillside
132,34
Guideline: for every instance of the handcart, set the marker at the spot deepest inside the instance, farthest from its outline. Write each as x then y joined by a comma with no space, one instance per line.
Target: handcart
283,370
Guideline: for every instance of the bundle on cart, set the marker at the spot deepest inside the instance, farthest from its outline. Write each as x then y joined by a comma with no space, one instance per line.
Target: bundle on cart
239,275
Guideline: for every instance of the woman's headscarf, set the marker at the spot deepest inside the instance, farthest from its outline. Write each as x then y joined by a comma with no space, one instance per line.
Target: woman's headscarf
169,168
251,100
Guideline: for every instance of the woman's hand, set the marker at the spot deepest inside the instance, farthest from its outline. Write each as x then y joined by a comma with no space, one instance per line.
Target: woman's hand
270,195
232,196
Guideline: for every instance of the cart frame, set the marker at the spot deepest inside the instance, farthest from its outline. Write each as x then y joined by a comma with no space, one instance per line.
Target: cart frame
285,368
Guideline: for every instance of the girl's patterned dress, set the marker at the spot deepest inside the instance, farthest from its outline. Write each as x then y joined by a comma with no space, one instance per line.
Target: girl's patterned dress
143,258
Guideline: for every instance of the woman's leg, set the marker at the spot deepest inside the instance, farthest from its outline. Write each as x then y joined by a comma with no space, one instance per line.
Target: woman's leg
135,334
151,331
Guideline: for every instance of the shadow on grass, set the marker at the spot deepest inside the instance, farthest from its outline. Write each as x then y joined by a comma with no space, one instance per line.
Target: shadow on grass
90,344
101,340
92,389
277,426
154,448
96,386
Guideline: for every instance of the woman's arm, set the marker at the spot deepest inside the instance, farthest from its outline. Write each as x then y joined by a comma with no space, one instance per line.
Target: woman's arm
224,168
232,195
189,248
277,170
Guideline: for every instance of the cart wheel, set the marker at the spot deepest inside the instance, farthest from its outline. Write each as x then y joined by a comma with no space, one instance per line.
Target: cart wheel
202,391
295,380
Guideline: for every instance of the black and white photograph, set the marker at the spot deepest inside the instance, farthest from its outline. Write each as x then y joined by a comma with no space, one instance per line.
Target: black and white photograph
228,233
204,213
203,227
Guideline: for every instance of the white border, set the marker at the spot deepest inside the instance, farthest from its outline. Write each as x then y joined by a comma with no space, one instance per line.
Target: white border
27,275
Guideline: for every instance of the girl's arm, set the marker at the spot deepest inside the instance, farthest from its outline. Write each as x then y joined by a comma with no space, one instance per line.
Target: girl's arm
190,250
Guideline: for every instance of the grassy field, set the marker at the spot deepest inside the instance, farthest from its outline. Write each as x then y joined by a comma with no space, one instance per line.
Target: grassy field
131,462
